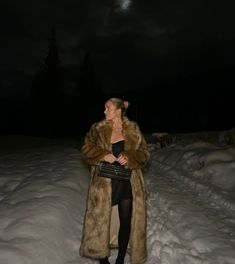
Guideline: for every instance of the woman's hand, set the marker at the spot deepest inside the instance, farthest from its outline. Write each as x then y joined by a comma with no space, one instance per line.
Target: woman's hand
110,158
122,160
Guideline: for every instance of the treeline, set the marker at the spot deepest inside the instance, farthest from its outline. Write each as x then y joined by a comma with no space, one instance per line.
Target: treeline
59,106
65,100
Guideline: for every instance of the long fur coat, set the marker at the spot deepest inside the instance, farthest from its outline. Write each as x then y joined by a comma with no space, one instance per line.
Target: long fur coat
101,221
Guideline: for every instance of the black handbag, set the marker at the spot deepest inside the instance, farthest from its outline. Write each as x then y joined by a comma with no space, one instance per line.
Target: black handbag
114,171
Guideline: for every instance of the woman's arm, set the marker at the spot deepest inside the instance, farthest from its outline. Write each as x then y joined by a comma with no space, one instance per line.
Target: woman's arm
90,150
137,159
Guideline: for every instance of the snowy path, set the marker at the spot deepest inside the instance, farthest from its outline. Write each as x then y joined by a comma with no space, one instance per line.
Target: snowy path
42,201
186,231
188,228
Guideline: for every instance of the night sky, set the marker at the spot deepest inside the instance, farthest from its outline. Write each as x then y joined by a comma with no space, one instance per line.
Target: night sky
181,50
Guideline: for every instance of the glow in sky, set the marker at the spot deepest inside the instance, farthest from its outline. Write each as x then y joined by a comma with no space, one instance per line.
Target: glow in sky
125,4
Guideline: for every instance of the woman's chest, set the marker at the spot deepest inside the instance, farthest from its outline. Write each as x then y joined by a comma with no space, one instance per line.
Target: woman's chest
116,136
107,137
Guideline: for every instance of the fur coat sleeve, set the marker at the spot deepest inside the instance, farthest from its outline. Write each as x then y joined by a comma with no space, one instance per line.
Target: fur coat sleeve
136,150
137,158
92,152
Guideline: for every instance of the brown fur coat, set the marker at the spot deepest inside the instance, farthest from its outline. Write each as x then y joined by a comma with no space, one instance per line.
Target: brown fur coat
101,219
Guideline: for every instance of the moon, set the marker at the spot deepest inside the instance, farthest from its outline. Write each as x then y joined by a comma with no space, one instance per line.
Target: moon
124,4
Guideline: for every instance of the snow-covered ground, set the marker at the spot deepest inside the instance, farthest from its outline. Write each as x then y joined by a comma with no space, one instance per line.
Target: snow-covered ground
190,201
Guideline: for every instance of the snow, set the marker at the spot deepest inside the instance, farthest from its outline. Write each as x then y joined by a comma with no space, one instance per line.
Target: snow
190,188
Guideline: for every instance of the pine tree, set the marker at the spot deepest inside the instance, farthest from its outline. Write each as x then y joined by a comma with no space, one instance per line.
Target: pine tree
52,68
90,92
46,92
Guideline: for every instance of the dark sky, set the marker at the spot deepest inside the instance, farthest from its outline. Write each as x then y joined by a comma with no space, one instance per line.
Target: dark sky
132,42
135,44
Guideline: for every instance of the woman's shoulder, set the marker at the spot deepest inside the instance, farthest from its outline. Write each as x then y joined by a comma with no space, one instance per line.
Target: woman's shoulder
130,124
100,124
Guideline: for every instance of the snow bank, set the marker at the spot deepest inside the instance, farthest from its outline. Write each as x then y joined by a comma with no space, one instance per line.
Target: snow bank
191,188
41,209
182,230
206,168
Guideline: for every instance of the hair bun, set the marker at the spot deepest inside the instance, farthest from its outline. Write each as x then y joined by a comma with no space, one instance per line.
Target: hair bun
126,104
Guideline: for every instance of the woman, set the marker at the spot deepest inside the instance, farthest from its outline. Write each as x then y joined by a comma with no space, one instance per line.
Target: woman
115,139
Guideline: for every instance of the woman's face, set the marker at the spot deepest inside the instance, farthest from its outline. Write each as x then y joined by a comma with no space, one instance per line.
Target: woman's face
111,112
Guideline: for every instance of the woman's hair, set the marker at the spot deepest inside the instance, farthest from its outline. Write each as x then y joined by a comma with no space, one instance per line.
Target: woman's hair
120,104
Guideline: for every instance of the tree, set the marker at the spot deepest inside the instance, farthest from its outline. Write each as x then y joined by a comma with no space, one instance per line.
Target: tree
90,93
46,92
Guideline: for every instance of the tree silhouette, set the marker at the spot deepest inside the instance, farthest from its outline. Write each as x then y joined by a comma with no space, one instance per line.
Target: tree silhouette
52,68
90,92
57,112
46,93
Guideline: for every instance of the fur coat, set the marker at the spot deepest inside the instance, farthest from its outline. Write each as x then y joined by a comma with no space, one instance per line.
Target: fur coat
101,222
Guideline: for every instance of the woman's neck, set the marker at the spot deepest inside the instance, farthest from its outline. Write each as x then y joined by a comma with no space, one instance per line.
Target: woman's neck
117,124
